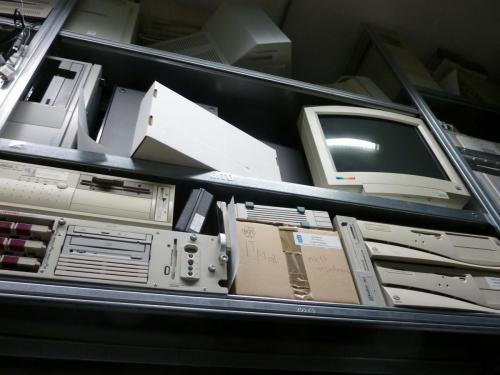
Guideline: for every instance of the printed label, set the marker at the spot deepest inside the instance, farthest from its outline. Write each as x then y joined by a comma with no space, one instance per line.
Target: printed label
51,174
197,223
493,282
317,240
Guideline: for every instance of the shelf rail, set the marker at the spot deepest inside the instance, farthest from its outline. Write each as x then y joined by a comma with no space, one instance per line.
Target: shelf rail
434,124
35,53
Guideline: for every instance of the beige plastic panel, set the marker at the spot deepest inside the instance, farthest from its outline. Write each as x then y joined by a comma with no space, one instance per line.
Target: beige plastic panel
383,251
34,188
454,283
161,270
479,250
414,298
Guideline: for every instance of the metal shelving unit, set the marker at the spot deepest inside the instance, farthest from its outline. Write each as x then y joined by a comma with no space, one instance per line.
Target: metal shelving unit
34,55
128,312
461,165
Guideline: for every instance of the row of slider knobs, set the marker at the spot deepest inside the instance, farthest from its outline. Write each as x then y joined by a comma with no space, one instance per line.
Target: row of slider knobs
211,268
190,265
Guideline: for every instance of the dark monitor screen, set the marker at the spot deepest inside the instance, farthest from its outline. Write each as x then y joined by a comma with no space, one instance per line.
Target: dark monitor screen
365,144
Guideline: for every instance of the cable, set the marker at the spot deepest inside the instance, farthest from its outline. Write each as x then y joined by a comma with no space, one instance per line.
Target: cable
12,58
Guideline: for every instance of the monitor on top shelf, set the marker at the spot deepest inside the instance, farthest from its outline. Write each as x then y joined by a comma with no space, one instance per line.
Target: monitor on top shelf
238,33
378,153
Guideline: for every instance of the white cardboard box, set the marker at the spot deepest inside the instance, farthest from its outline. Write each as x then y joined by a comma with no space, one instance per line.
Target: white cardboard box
174,130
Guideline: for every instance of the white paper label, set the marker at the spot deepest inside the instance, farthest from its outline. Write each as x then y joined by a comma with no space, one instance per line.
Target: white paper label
51,174
493,282
317,240
197,223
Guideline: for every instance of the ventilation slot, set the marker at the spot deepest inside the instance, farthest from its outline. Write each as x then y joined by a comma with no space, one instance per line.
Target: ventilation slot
95,268
210,55
288,216
181,44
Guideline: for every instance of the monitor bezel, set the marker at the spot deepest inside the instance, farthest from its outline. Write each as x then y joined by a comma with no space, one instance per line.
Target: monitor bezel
325,173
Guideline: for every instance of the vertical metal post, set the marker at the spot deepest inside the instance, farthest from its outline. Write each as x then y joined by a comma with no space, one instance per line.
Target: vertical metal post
434,124
34,55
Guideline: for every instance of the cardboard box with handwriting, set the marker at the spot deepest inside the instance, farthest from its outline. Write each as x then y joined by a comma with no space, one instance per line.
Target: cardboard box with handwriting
292,263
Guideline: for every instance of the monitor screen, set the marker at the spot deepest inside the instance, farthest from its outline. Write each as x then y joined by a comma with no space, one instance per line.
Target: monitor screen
365,144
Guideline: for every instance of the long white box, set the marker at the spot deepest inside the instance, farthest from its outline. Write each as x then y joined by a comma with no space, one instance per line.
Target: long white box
174,130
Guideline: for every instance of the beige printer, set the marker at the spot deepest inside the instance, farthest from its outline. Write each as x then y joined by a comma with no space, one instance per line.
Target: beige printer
47,113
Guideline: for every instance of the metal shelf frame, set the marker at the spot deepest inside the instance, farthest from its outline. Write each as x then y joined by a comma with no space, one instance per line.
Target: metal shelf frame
35,53
226,185
81,297
185,303
434,124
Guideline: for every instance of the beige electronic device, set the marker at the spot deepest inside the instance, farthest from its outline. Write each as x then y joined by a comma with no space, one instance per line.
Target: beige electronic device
238,33
298,216
64,248
421,267
413,285
38,9
47,112
431,246
112,19
363,273
374,66
36,188
488,174
360,85
378,153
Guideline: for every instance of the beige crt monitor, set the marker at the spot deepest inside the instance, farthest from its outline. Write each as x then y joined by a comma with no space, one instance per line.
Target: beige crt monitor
378,153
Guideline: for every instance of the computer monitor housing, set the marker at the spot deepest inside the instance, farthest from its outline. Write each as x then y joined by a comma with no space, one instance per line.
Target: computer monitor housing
238,33
378,153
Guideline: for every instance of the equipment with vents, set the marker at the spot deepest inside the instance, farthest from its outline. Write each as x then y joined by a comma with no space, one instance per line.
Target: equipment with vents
360,85
366,282
396,242
486,165
425,268
111,19
375,67
35,188
238,33
378,153
92,251
47,114
413,285
298,216
38,9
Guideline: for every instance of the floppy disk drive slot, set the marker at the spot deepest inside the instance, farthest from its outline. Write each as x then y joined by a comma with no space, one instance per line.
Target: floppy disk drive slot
116,186
107,244
97,248
101,245
108,233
